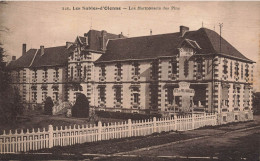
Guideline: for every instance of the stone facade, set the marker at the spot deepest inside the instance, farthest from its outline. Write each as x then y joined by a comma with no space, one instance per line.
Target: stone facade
184,76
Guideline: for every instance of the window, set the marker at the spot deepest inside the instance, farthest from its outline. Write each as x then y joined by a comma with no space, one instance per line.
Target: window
118,94
225,118
136,68
102,94
231,67
242,71
174,66
57,72
34,95
103,70
56,96
186,68
44,95
199,66
118,66
85,71
71,72
136,95
246,72
236,70
79,72
154,69
170,96
45,73
136,98
225,71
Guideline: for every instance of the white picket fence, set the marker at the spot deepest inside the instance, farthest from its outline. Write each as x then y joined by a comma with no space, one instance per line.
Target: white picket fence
39,139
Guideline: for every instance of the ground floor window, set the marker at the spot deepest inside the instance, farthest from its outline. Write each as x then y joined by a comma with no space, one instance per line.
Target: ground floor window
55,96
136,98
118,94
102,94
170,96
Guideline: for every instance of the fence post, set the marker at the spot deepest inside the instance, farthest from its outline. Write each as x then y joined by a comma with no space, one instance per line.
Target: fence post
193,121
205,119
99,130
50,136
129,127
154,124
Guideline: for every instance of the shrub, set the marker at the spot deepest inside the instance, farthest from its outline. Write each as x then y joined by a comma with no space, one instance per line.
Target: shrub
121,115
48,105
81,107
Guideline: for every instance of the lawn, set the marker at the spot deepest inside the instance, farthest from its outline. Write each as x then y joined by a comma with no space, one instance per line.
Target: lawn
37,120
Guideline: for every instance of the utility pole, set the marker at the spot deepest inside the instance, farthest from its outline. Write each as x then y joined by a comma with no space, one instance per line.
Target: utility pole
91,24
220,28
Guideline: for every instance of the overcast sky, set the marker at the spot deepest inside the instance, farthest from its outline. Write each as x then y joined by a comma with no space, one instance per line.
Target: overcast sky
45,23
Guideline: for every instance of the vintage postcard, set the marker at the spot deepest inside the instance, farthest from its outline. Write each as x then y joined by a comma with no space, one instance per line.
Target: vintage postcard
121,80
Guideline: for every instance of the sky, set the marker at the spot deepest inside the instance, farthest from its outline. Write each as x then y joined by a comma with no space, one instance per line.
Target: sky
48,24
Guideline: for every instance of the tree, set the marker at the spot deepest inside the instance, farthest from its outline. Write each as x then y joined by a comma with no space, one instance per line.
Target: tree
10,99
48,105
81,106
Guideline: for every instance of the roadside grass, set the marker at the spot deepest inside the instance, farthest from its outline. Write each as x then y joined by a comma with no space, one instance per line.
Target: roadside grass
119,145
38,120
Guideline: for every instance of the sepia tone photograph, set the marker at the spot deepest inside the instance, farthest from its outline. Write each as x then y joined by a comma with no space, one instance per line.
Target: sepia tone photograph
132,81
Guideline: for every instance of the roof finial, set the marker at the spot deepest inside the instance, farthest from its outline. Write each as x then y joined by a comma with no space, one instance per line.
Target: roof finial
151,32
202,24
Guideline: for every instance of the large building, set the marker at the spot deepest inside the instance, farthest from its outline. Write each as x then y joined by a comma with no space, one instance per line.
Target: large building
39,73
59,72
176,72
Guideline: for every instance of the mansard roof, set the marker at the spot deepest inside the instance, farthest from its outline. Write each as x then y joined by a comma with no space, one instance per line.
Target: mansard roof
95,38
24,61
204,40
53,56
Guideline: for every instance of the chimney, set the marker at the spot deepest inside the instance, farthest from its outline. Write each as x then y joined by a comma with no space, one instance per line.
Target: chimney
42,50
24,49
103,40
151,32
121,35
183,30
13,58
